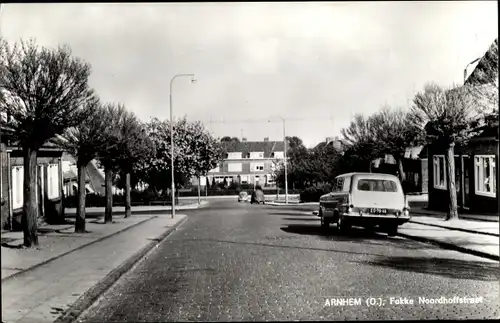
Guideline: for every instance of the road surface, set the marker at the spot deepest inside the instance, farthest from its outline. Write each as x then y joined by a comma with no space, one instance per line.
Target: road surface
236,261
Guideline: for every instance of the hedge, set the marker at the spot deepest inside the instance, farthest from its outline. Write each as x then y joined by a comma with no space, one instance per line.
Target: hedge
312,194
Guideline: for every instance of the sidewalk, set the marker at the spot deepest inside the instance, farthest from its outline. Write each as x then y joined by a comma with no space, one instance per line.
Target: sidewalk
92,211
482,245
40,284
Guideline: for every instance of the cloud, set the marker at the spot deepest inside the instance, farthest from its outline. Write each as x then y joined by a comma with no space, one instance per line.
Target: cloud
253,60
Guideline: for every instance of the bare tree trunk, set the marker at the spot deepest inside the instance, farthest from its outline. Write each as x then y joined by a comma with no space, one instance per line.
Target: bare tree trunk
108,216
80,211
401,172
128,203
450,174
30,211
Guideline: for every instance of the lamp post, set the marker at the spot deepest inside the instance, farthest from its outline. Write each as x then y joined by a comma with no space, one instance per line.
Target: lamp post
466,67
284,155
172,138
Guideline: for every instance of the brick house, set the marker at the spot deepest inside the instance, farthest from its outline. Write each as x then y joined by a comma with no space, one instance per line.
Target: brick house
476,170
49,188
248,162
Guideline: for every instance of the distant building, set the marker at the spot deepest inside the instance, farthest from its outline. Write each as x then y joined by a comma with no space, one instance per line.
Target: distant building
334,141
414,166
94,177
247,162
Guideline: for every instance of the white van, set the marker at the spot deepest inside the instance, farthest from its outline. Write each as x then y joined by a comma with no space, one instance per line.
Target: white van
367,200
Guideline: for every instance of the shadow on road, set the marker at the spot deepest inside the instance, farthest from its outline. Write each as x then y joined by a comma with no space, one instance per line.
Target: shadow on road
450,268
355,235
291,208
290,214
311,219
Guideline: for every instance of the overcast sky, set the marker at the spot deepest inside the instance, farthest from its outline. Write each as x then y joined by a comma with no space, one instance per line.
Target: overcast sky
317,63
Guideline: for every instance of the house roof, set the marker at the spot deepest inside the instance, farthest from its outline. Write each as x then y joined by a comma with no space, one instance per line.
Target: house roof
71,175
254,146
486,70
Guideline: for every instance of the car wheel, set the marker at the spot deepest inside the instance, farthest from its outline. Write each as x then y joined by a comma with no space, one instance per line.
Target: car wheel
392,231
325,224
342,224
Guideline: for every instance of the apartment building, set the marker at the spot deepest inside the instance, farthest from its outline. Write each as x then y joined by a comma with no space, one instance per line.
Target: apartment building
248,162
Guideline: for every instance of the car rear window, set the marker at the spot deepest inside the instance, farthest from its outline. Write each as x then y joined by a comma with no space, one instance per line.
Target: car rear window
377,185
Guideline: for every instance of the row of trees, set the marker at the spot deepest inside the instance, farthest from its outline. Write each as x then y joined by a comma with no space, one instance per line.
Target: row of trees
444,117
46,97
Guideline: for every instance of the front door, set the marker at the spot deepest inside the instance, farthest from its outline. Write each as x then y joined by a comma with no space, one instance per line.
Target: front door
466,180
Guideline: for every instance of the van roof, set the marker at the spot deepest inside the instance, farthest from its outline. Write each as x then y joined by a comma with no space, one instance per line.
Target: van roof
373,175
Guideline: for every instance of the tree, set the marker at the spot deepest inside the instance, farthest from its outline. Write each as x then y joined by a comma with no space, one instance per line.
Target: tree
134,147
297,157
43,90
195,151
84,141
450,117
109,155
227,139
293,143
394,132
360,140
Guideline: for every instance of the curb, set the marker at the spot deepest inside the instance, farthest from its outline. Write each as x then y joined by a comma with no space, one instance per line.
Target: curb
450,246
460,217
73,250
91,296
181,208
456,229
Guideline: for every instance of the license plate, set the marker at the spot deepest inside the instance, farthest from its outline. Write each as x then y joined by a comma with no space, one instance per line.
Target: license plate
378,211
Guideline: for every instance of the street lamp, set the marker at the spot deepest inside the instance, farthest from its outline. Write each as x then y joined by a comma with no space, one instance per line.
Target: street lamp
466,67
284,155
172,137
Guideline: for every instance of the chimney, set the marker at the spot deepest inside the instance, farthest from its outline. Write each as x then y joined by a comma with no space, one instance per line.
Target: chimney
266,139
243,139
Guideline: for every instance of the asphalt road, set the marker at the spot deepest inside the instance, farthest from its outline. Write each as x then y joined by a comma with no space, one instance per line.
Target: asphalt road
234,261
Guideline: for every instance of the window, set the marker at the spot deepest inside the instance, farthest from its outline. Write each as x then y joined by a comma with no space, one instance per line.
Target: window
53,181
257,167
338,185
236,155
439,172
279,154
256,155
347,184
377,185
234,167
485,173
244,179
17,186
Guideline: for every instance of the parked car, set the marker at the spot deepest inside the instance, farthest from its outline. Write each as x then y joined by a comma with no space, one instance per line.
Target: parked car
365,199
258,196
243,197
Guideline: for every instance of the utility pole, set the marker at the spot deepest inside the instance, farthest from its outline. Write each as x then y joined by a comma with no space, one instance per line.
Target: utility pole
172,138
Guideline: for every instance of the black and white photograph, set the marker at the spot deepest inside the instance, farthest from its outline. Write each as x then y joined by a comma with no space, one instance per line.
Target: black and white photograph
249,161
